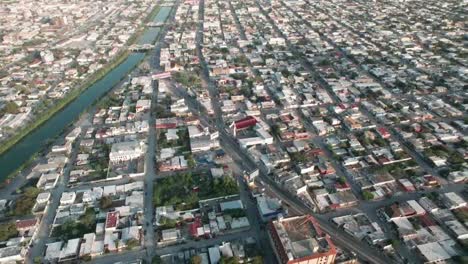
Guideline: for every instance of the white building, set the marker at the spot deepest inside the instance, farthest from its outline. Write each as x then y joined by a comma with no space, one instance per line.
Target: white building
125,151
68,198
143,105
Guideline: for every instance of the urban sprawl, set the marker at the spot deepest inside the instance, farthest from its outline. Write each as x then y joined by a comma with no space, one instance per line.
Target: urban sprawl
253,131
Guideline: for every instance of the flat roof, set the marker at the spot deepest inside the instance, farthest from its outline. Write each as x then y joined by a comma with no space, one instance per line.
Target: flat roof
301,237
112,219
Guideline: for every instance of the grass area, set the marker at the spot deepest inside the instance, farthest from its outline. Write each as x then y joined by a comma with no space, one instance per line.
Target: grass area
185,190
26,201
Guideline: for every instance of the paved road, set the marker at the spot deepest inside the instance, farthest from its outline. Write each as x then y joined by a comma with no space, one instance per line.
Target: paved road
150,159
251,208
43,232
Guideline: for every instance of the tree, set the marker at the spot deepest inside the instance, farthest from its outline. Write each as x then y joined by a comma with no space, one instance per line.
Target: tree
25,203
257,260
456,158
191,162
156,260
228,260
275,130
167,223
236,213
342,180
105,202
196,260
132,243
7,231
9,108
89,218
86,258
368,195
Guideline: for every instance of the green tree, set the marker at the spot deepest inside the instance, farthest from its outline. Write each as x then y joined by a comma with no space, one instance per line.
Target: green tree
196,260
275,130
167,222
368,195
132,243
7,231
156,260
236,213
342,180
89,218
105,202
25,203
257,260
456,158
228,260
9,108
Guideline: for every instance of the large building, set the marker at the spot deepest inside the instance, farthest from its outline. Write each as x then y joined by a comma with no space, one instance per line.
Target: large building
300,240
125,151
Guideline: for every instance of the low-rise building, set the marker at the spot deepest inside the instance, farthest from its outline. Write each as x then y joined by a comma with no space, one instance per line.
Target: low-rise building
300,240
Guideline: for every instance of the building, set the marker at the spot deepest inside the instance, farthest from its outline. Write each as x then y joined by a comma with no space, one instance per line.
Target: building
143,105
125,151
165,123
11,254
244,123
27,227
215,255
70,250
433,253
453,200
269,208
170,235
300,240
43,198
68,198
112,220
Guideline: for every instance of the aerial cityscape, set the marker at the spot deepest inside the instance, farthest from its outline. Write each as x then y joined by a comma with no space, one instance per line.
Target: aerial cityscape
233,131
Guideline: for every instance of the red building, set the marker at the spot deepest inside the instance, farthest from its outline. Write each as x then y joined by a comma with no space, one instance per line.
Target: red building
383,132
244,123
166,123
112,220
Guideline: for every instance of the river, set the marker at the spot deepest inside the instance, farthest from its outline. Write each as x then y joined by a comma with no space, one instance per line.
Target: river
17,155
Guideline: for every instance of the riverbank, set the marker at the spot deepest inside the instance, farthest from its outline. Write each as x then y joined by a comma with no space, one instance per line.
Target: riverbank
98,75
27,151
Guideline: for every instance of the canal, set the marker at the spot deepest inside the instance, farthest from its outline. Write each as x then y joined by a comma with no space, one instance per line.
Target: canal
17,155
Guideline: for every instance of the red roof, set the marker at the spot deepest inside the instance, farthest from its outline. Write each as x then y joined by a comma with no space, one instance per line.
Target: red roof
24,224
245,122
112,219
383,131
194,226
426,221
